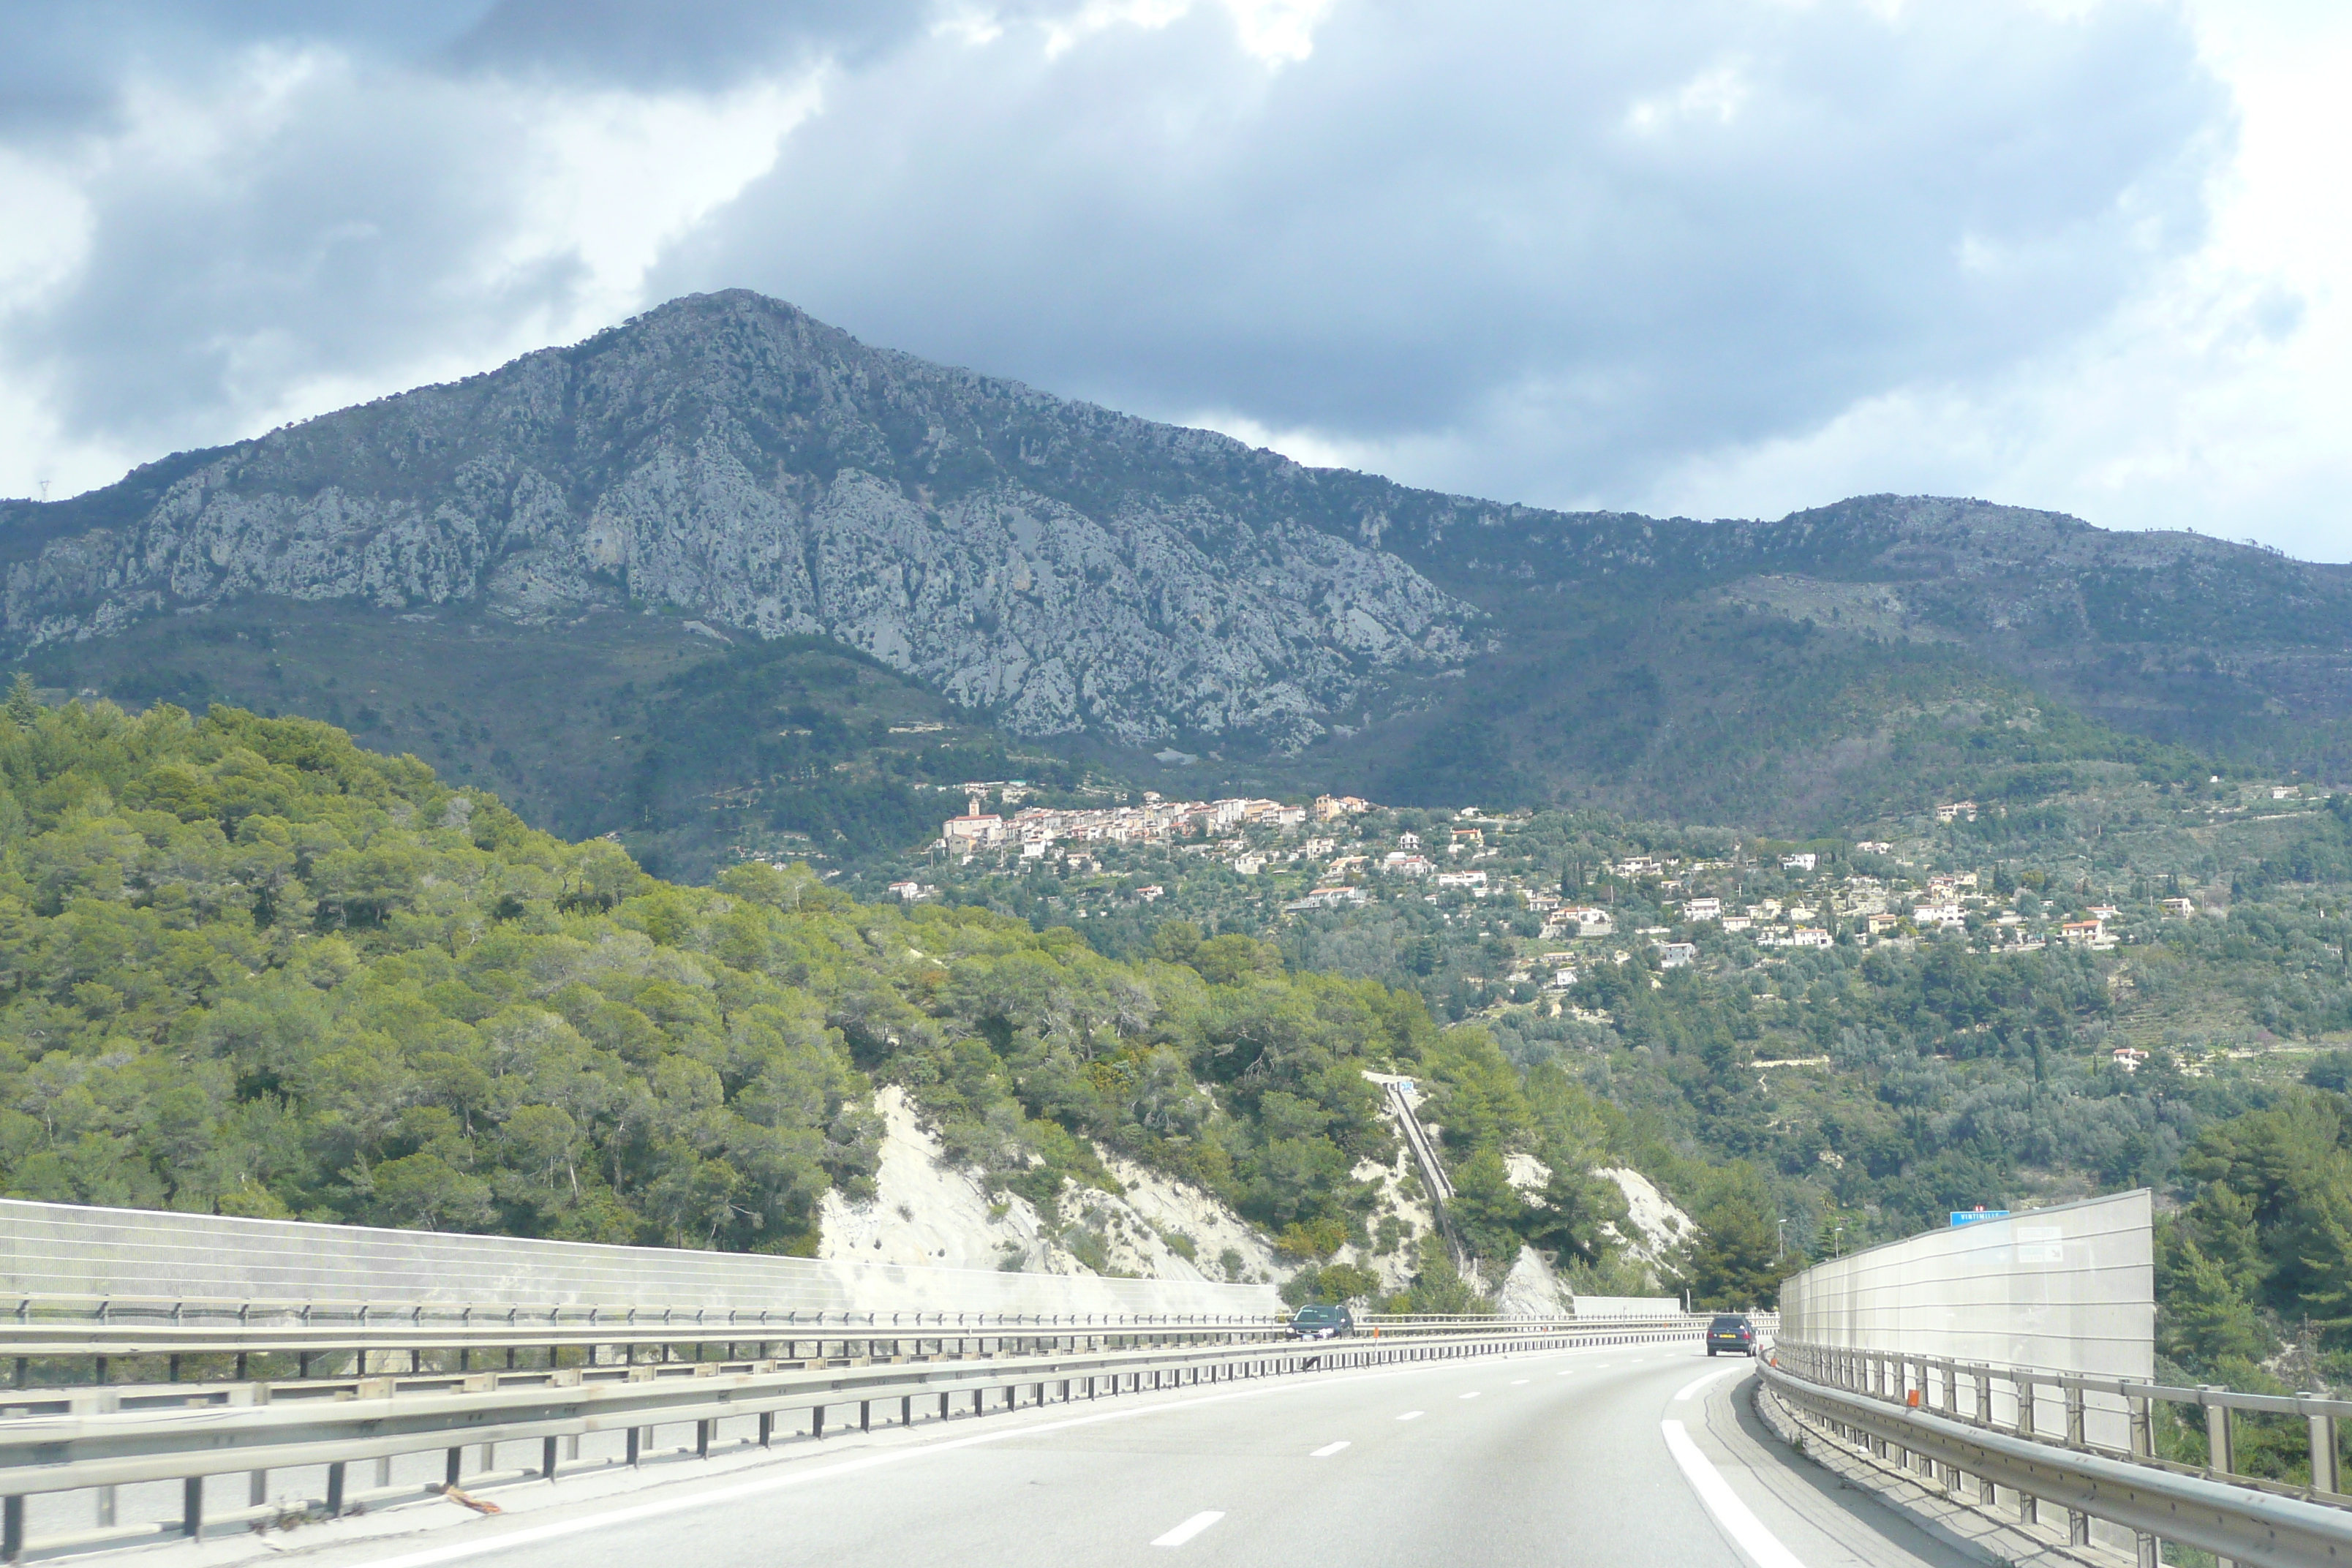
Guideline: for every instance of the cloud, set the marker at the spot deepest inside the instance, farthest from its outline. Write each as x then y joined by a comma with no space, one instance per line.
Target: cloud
682,43
1623,234
1682,253
302,228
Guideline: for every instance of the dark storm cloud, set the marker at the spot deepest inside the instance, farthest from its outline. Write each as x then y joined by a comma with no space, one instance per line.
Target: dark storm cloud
62,62
1569,244
705,44
1641,230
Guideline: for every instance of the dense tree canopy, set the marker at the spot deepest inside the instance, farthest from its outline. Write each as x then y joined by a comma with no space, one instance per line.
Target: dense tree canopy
246,967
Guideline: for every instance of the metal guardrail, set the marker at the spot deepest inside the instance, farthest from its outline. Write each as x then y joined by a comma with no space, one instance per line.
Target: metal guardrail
1913,1406
87,1446
46,1330
50,1331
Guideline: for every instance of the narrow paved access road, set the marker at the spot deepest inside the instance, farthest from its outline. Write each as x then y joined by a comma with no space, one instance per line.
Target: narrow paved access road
1630,1456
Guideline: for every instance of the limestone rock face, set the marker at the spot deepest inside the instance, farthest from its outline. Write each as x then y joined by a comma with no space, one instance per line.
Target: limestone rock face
1059,565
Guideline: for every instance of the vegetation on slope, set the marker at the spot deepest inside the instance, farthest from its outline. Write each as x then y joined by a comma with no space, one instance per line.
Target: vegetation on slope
693,750
2255,1272
246,967
1867,1090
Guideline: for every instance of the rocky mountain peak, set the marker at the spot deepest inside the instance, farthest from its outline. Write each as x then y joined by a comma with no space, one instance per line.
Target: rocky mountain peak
729,456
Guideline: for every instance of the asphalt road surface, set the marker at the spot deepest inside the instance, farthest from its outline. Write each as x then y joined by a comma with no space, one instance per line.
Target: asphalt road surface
1630,1456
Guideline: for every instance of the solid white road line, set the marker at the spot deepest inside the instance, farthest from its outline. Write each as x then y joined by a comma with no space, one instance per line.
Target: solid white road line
1189,1529
1409,1416
1757,1544
1695,1385
1328,1450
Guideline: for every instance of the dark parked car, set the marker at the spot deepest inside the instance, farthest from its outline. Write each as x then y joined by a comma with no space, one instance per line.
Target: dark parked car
1322,1323
1731,1331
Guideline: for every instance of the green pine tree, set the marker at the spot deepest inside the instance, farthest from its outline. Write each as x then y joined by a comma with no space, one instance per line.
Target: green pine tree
24,703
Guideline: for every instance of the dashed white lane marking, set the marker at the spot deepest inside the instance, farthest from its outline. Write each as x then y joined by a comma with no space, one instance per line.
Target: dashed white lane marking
1189,1529
1757,1544
1566,1374
1409,1416
1695,1385
1519,1383
1472,1394
1328,1450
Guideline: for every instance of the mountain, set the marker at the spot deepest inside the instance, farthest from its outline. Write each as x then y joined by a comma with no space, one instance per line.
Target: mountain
588,523
1059,565
1662,650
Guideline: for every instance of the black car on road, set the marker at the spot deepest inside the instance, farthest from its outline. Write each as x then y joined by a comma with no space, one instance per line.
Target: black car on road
1734,1332
1322,1323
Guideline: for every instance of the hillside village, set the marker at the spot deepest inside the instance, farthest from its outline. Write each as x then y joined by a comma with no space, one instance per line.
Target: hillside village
1341,852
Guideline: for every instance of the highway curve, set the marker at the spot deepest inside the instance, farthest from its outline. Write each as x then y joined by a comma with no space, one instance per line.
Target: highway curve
1627,1456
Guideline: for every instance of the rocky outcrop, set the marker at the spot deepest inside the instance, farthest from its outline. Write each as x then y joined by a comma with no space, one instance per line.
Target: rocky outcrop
927,1212
1059,567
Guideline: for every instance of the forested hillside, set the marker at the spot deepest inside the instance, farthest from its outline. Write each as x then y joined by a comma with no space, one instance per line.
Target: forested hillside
248,967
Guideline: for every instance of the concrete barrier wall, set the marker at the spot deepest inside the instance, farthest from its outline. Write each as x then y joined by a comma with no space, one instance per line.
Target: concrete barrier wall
2069,1289
66,1250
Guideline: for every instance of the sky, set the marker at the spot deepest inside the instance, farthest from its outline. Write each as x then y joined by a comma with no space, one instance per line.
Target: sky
1713,257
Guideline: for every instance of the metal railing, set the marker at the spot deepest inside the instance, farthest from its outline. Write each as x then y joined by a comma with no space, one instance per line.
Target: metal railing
71,1340
95,1440
1917,1409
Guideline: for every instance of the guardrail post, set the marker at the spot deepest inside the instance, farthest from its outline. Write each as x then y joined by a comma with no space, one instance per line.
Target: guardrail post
2326,1462
191,1507
635,1445
2027,1508
547,1460
1981,1376
767,1428
335,1490
256,1487
2218,1459
11,1530
453,1466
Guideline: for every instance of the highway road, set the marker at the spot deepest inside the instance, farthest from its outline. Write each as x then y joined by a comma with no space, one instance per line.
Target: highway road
1624,1455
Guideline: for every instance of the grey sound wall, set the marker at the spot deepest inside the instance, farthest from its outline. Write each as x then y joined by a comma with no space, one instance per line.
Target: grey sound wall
60,1249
